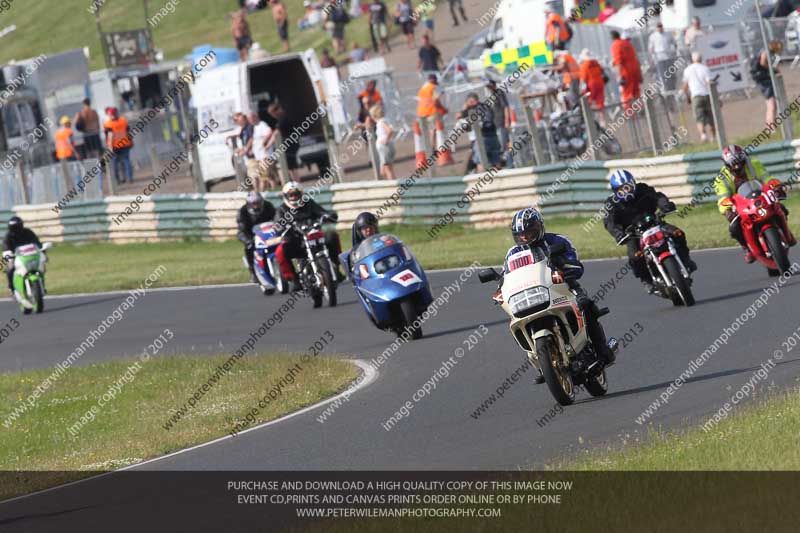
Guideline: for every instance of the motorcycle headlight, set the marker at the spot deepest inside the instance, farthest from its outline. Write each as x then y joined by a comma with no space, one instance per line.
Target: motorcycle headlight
529,298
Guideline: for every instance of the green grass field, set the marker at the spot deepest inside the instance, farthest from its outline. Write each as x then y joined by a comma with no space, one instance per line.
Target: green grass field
50,27
88,267
129,427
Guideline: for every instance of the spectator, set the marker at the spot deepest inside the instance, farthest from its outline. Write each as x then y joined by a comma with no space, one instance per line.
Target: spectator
372,95
282,21
759,70
355,9
327,61
626,66
357,53
339,18
88,122
695,85
241,33
384,141
263,143
118,137
245,149
502,119
475,110
284,126
377,23
556,34
663,52
65,142
593,79
692,32
403,16
430,59
429,105
570,73
312,16
425,12
460,6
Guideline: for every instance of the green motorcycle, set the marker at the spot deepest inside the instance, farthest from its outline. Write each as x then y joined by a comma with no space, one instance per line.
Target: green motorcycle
29,266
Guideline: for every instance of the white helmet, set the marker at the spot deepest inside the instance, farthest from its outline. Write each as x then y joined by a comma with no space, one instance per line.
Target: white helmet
292,193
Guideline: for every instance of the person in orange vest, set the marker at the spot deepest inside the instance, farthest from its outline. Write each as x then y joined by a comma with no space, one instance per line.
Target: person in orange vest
626,65
556,34
428,105
593,79
570,72
118,138
65,143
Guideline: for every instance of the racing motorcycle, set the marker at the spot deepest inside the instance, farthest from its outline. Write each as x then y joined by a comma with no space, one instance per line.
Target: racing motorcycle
29,267
390,283
764,223
547,323
316,272
671,278
266,239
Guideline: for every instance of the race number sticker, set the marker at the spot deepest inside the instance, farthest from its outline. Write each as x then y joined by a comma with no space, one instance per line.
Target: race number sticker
519,260
406,278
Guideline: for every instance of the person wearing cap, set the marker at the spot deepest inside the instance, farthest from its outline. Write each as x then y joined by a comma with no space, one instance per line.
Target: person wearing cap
663,51
65,143
593,79
556,34
502,119
428,105
626,66
570,72
118,138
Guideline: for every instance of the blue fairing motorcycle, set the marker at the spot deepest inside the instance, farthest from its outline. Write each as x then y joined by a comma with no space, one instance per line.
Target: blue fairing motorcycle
390,283
266,239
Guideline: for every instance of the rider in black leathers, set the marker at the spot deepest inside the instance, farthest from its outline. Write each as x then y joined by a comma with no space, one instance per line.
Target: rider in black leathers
255,211
18,235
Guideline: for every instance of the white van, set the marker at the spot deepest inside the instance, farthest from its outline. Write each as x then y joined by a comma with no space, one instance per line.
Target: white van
294,80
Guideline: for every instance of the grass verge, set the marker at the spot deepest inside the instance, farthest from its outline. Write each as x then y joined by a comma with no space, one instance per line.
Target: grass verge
129,427
198,263
742,441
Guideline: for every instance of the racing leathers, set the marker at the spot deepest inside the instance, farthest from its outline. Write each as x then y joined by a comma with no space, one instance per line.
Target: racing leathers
245,222
569,265
292,245
726,185
11,242
622,210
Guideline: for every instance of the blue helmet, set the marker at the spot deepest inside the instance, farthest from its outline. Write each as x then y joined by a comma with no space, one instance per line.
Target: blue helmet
527,226
623,184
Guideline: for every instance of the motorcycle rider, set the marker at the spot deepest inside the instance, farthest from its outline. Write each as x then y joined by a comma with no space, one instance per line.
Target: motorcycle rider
18,235
739,168
302,210
365,225
630,201
255,211
527,227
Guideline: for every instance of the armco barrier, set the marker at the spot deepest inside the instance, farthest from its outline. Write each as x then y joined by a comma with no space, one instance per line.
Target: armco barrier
558,189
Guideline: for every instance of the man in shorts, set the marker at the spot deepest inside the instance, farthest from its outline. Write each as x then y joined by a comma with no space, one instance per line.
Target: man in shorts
696,78
241,33
377,23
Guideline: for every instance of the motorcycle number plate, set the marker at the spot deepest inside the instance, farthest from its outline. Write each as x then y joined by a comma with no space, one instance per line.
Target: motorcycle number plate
406,278
519,260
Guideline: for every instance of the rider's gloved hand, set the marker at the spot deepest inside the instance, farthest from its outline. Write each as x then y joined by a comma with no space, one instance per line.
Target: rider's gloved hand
730,214
670,207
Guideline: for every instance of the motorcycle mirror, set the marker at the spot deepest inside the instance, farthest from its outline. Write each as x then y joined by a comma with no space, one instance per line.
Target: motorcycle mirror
488,274
47,246
727,202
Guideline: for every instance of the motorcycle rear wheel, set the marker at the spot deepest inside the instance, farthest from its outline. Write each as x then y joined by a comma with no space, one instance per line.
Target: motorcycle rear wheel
680,285
596,384
558,378
409,316
777,250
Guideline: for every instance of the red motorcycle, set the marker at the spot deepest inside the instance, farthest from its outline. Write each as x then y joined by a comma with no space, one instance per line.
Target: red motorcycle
764,224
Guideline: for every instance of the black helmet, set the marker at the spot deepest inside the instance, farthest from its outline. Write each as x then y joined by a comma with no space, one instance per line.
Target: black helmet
364,220
15,224
527,226
255,203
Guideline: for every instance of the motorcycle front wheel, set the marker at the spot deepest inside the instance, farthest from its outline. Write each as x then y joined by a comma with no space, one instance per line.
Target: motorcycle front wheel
409,316
557,377
777,250
328,286
680,286
37,296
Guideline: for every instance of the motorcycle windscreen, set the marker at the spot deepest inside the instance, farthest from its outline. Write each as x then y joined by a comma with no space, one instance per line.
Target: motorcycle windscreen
749,189
372,245
527,268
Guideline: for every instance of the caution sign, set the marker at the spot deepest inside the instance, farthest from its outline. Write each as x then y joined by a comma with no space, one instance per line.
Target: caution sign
722,54
510,59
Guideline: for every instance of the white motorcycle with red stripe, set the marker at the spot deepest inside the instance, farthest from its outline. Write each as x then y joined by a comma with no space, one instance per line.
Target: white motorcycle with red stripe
547,323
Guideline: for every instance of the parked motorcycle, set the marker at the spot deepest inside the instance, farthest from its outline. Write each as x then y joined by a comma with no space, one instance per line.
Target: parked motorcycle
390,283
266,239
764,223
29,268
569,138
671,279
316,271
547,323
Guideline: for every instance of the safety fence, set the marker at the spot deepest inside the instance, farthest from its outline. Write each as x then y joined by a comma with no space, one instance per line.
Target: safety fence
479,199
47,184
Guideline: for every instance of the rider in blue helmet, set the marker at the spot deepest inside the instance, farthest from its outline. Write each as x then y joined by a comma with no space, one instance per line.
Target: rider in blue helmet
527,227
629,202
